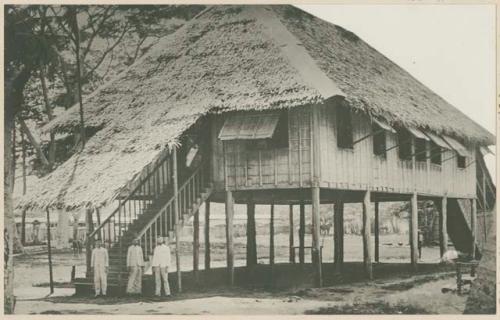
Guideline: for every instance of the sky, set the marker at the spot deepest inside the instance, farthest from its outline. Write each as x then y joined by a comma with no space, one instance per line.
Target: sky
449,48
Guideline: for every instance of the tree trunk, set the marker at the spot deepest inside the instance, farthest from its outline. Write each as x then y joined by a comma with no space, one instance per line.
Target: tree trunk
76,33
23,221
48,110
9,217
13,88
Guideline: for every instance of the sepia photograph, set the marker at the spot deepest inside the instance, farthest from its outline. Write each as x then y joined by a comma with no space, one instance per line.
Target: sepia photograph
249,159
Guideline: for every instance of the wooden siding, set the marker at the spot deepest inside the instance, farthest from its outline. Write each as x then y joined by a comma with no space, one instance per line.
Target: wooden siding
354,169
360,169
285,167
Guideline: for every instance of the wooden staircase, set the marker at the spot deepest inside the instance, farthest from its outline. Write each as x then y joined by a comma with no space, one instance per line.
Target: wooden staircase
152,209
459,212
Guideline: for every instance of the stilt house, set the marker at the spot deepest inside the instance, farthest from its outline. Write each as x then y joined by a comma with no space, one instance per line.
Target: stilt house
266,105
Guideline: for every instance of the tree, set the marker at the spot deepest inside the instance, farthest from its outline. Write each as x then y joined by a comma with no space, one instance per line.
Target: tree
24,51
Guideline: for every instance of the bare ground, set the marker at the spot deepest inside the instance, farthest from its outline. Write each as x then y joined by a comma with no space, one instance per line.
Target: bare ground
419,294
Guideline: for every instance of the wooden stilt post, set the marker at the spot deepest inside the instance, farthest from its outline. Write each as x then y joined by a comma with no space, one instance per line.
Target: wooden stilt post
443,232
229,235
473,226
89,243
377,233
316,250
51,278
414,231
291,236
302,232
271,237
196,243
207,235
251,236
367,251
175,176
338,235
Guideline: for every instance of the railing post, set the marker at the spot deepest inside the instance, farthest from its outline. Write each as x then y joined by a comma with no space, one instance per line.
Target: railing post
176,219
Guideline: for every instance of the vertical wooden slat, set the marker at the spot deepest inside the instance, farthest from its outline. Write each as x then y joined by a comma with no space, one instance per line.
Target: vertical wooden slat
229,235
377,232
338,229
367,255
49,248
443,232
302,232
196,243
260,168
289,148
251,235
207,235
176,219
271,237
316,247
299,146
291,236
473,226
414,231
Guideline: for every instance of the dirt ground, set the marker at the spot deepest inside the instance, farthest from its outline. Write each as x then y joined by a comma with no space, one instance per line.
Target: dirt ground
422,295
419,294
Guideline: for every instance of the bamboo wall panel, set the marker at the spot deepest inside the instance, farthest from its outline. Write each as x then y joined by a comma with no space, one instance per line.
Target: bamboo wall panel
246,167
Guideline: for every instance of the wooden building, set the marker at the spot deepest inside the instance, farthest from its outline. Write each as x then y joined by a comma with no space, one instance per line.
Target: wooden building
267,105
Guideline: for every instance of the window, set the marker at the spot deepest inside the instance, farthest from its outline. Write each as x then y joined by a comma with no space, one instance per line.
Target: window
461,161
420,150
435,153
379,144
404,143
278,140
344,127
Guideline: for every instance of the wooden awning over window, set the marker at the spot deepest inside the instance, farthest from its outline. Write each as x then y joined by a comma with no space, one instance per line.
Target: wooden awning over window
249,126
457,146
438,140
417,133
384,125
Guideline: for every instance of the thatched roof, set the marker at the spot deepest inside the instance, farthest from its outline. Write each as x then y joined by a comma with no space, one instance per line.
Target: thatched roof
233,58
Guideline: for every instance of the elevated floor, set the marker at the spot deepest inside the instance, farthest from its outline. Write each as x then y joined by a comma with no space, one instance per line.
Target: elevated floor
284,196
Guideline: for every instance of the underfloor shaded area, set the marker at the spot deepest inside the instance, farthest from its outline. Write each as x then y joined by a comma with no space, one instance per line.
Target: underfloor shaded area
395,294
278,277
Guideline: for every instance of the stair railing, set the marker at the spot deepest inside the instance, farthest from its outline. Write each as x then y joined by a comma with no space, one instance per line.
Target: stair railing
162,224
155,183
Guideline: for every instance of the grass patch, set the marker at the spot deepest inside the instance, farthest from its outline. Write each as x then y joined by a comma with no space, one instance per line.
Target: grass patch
369,308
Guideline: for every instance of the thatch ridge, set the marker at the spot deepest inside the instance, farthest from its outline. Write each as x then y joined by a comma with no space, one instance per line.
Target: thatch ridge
375,84
223,60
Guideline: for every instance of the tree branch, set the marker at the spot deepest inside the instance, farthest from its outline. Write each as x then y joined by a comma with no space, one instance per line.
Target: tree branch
95,31
108,50
34,142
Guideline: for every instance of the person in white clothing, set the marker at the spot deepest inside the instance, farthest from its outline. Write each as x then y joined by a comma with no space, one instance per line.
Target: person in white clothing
135,265
100,263
160,264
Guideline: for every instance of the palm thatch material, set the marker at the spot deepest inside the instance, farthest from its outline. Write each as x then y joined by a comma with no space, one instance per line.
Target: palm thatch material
232,58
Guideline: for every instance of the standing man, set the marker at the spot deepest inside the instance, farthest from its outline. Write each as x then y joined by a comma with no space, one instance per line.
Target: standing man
160,264
100,263
135,265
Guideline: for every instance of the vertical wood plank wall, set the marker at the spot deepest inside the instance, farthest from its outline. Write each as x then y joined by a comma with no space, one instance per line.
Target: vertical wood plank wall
282,167
357,168
360,169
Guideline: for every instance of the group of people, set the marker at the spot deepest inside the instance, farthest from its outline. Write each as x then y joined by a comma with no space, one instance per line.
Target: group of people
135,264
